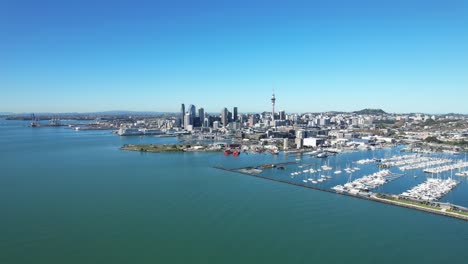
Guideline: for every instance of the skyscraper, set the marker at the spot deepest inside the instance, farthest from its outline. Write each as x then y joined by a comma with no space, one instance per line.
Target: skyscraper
193,113
224,116
182,116
234,114
188,119
201,115
282,115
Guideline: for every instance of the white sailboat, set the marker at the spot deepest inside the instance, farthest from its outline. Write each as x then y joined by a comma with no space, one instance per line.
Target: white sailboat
338,170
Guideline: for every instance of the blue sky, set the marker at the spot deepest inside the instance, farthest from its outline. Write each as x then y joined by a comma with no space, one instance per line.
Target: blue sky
67,56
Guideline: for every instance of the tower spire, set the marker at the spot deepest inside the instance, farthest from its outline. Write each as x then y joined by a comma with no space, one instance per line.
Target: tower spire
273,99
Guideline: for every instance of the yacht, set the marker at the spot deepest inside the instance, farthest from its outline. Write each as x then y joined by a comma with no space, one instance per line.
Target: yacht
322,155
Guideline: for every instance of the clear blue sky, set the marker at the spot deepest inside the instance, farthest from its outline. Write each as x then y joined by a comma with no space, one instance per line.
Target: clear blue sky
401,56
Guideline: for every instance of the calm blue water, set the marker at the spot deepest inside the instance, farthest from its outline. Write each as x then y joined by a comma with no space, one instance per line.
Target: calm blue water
74,197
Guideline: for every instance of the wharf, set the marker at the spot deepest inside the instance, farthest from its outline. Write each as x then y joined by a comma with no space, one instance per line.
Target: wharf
375,197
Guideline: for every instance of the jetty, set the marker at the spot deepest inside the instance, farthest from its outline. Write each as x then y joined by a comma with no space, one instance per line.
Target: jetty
458,165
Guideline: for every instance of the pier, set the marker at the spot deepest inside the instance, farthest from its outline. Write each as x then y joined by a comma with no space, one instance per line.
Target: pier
458,165
375,197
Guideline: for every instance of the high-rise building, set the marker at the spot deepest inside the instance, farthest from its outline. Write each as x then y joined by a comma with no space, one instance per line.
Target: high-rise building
324,121
201,116
182,115
193,113
188,120
229,117
224,116
252,120
282,115
234,114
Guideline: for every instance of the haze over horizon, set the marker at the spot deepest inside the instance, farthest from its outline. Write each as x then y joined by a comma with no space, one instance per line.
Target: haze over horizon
92,56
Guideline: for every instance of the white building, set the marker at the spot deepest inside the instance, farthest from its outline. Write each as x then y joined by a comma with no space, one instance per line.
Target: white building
313,142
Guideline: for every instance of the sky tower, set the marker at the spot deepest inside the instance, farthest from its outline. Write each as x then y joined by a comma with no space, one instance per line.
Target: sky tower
273,99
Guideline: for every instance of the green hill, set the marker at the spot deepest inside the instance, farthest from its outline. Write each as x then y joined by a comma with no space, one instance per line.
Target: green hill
369,111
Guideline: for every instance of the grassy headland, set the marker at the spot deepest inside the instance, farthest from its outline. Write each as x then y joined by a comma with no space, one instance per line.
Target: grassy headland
165,148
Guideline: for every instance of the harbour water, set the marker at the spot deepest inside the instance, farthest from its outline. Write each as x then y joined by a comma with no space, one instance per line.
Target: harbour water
73,197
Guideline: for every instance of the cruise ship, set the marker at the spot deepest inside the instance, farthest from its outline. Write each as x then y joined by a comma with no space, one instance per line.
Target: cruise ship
138,132
129,132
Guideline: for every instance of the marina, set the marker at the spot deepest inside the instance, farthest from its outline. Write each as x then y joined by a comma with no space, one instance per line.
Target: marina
377,197
367,181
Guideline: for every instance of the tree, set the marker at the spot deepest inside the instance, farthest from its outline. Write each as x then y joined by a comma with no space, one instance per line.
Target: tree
432,140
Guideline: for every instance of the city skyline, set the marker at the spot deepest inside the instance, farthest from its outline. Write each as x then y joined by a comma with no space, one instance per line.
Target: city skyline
400,56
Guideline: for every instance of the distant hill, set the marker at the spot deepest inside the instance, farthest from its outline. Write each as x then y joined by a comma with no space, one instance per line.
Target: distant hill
102,113
369,111
125,112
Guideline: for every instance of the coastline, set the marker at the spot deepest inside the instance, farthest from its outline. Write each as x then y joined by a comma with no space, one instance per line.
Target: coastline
167,148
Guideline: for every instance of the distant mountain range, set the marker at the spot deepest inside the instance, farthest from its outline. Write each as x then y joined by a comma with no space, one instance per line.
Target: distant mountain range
124,112
114,112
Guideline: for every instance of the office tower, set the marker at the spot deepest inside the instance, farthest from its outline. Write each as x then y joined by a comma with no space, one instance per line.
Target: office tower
224,116
234,114
182,116
201,116
282,115
188,119
193,113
